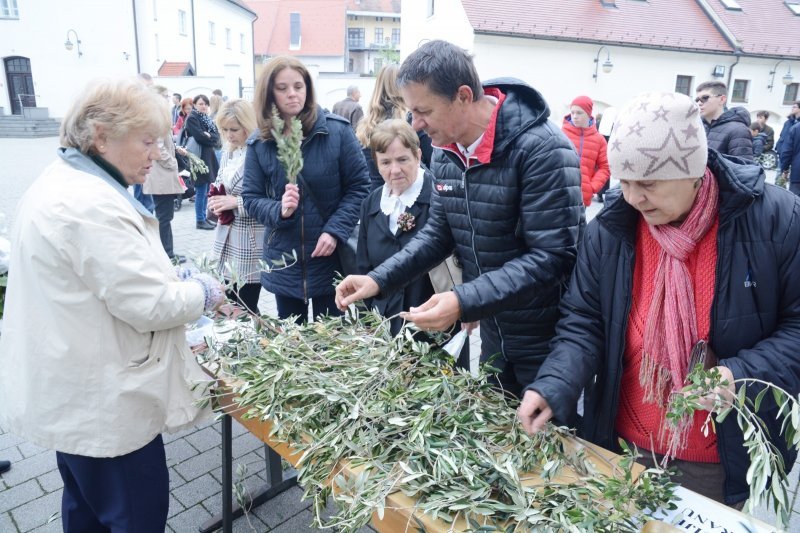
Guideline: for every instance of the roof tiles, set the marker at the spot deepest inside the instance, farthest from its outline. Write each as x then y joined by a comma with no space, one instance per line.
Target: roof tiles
671,24
762,27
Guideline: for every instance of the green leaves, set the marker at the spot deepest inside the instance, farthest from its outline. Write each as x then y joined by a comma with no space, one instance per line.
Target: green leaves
343,391
289,144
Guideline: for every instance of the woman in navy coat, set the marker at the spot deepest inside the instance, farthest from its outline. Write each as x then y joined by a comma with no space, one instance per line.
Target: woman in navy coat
318,213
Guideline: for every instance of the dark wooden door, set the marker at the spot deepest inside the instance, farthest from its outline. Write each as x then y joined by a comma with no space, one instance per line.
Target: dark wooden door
20,84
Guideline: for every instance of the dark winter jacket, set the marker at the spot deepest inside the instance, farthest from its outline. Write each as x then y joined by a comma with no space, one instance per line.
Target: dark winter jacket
376,244
335,170
785,133
194,127
770,133
513,223
790,153
759,144
755,314
730,133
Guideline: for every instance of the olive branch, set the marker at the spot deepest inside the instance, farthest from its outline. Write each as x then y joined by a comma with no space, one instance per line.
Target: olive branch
196,165
289,145
342,390
766,462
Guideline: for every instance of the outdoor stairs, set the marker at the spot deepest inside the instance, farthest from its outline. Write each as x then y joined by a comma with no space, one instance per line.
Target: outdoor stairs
19,126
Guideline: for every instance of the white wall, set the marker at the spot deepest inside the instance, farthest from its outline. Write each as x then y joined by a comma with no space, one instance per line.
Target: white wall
449,22
332,88
105,31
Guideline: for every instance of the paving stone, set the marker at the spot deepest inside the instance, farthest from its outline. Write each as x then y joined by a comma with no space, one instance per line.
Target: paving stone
19,495
29,468
244,444
179,451
53,527
51,481
205,439
189,520
282,507
6,524
300,523
198,465
253,463
36,512
8,440
196,491
11,454
29,450
175,507
251,484
175,480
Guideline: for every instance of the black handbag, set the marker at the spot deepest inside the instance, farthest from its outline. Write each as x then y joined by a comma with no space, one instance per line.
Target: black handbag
345,250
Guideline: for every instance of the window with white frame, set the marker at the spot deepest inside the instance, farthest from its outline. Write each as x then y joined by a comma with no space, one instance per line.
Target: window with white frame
182,22
396,36
212,33
294,31
740,90
158,48
8,9
228,39
378,36
155,10
241,42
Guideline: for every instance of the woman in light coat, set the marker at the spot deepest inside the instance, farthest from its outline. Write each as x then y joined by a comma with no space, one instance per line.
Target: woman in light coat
165,187
93,357
237,245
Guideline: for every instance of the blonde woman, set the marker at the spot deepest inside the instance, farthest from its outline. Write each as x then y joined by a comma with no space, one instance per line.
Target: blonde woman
237,245
93,358
386,103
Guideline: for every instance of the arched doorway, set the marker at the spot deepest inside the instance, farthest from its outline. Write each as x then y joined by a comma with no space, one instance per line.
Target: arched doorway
20,83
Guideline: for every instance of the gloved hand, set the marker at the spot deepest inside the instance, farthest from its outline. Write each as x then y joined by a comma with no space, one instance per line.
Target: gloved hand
212,289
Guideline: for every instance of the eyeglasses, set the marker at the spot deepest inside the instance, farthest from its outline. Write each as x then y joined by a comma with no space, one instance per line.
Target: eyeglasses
703,99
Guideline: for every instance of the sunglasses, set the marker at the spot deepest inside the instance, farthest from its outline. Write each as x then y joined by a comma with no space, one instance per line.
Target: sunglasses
703,99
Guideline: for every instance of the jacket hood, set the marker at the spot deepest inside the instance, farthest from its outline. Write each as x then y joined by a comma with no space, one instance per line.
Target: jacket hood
734,114
740,182
523,108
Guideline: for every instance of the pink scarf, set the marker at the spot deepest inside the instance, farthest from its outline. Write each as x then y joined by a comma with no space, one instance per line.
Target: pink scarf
671,327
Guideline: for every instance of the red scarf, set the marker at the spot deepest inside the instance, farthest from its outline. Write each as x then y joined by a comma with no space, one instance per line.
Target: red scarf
671,327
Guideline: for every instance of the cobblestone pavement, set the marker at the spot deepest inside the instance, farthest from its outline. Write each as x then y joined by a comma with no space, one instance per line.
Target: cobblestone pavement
30,493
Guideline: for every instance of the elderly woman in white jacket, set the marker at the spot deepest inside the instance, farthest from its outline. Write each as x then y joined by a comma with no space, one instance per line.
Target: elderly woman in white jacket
93,355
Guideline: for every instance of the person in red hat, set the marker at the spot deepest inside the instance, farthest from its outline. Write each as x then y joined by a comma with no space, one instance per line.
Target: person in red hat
581,129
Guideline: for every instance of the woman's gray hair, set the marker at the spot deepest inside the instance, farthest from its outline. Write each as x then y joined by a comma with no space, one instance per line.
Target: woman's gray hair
121,106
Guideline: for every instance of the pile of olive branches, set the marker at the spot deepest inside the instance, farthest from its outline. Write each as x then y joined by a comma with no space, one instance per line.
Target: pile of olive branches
396,412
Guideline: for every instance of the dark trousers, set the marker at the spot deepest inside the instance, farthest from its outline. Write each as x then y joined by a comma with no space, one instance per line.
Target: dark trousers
514,376
322,305
165,211
245,295
794,186
125,494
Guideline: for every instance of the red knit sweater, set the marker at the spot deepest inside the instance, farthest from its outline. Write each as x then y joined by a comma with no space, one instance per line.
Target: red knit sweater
640,422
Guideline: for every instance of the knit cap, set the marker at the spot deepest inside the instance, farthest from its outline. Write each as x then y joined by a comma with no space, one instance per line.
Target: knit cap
585,103
658,136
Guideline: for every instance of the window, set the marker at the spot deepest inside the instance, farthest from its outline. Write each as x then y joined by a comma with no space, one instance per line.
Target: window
683,85
396,36
740,88
353,17
212,33
793,6
155,10
182,22
378,19
790,94
732,5
378,35
431,7
158,51
350,65
294,28
8,9
355,37
228,39
241,42
378,64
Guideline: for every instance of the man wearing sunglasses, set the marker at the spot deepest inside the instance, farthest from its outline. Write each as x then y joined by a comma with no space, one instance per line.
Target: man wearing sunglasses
728,130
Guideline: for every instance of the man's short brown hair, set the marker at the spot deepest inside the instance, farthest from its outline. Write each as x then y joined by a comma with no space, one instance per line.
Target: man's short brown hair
716,87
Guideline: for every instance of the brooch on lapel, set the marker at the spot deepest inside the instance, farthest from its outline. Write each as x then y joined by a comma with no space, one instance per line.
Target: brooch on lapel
406,221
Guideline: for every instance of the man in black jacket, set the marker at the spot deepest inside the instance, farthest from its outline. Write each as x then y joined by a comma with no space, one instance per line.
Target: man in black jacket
728,130
507,202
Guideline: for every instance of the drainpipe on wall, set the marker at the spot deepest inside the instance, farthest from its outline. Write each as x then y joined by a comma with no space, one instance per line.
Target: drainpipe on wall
738,54
136,38
194,41
253,48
